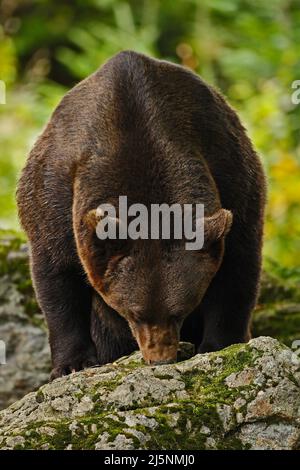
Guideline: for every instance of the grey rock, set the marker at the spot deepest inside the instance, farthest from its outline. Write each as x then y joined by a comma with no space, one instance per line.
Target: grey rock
22,326
210,401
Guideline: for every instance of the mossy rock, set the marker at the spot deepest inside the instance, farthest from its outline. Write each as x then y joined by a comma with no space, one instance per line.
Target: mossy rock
244,397
22,326
15,276
277,313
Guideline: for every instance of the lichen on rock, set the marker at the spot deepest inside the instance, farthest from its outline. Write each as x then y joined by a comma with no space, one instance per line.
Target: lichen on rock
246,396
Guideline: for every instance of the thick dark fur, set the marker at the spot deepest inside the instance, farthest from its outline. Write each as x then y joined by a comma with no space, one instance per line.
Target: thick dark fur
158,133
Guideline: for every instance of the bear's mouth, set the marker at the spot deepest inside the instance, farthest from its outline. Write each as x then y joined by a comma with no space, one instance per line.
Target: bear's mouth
158,343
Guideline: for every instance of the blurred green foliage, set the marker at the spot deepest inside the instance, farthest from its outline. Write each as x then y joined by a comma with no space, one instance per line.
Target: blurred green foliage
249,49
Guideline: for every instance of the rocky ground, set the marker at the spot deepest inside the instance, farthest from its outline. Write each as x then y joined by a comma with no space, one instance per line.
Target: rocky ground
21,325
244,396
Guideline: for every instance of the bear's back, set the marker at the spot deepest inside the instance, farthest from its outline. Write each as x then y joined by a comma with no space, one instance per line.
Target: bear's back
134,93
147,123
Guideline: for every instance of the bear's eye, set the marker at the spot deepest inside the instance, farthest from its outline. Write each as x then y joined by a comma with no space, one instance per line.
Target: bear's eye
137,314
110,248
133,320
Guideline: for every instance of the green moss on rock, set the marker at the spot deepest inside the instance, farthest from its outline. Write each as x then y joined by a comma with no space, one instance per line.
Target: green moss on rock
205,402
15,272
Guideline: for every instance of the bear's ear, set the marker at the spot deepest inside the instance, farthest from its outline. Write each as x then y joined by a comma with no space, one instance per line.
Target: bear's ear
105,226
92,218
217,226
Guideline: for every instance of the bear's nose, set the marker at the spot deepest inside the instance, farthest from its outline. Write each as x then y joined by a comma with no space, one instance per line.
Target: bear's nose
163,362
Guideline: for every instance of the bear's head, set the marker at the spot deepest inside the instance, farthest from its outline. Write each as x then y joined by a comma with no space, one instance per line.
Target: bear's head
153,284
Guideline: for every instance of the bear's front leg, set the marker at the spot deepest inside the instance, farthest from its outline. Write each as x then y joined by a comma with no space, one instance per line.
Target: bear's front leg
65,300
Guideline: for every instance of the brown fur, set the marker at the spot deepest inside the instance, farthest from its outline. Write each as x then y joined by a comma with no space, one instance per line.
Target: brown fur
157,133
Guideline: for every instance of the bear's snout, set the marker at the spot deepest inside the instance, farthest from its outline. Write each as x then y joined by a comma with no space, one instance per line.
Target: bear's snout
158,343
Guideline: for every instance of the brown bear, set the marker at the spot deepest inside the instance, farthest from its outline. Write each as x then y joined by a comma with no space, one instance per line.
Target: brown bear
157,133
